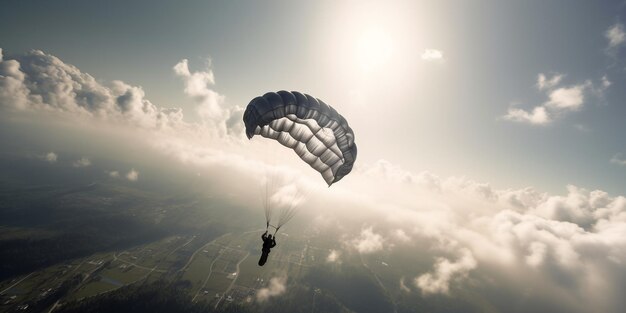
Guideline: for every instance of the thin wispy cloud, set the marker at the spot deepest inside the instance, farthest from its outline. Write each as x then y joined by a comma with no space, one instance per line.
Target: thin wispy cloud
583,128
615,35
432,55
618,159
82,162
545,82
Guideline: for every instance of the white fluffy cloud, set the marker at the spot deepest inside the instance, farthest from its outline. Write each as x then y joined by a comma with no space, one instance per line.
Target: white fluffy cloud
368,241
538,115
39,81
567,98
561,99
432,55
276,287
211,105
571,246
446,272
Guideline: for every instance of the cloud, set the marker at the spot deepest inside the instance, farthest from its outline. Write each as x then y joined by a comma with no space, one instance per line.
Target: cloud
403,285
368,241
37,81
432,55
51,157
606,83
567,98
82,162
569,245
333,256
133,175
617,159
211,105
276,288
561,99
616,35
538,116
583,128
401,236
543,82
445,273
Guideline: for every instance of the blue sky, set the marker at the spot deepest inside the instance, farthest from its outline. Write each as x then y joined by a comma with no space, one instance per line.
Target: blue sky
493,53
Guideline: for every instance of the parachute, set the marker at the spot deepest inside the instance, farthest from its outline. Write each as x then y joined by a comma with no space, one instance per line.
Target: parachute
318,134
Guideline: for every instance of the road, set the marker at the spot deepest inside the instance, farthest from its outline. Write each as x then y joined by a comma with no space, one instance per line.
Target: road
195,252
234,280
137,265
19,281
206,280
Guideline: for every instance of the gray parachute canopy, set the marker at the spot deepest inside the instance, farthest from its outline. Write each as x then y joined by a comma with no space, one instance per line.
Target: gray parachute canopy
318,134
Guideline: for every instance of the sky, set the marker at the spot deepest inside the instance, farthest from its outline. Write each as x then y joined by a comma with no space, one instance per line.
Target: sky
445,115
498,122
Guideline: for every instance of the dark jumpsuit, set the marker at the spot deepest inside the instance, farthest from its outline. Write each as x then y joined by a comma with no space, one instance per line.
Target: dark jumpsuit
267,245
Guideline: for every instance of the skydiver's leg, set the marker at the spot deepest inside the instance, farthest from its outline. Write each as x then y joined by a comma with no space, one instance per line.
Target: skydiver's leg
263,258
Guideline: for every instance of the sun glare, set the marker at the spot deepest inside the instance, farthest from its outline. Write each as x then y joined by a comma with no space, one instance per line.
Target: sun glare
373,49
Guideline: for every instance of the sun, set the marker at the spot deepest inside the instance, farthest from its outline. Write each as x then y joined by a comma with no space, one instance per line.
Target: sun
373,49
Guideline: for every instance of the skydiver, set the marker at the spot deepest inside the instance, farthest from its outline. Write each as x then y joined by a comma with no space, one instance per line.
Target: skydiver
269,242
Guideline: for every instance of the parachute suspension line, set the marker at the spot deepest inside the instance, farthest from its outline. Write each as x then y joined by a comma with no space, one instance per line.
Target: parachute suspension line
270,186
287,213
267,204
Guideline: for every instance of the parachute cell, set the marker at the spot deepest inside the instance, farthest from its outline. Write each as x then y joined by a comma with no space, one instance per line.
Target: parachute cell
318,134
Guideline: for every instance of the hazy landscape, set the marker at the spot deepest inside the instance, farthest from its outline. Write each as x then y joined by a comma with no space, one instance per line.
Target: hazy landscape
104,246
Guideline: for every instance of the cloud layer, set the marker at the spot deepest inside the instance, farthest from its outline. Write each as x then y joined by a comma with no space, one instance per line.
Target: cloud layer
39,81
570,246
